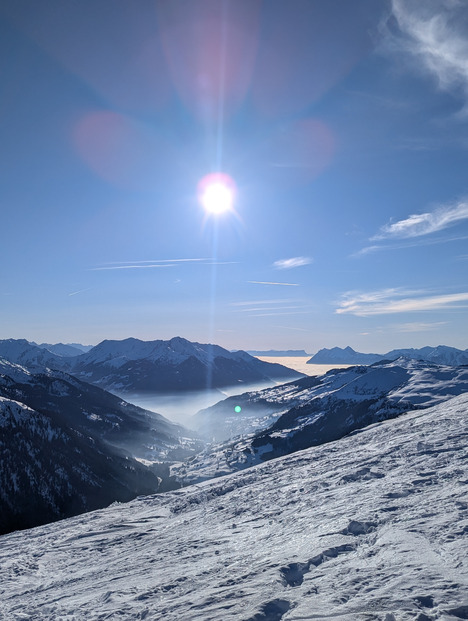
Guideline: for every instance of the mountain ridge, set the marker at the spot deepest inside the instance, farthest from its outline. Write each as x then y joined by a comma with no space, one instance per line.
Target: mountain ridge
441,354
69,447
132,365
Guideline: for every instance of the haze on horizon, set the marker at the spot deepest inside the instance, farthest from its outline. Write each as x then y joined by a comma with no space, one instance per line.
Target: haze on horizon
343,127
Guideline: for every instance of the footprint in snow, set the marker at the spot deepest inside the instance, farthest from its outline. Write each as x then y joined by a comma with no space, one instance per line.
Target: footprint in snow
293,574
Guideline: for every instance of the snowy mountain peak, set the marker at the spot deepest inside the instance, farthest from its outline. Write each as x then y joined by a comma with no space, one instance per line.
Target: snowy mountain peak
22,352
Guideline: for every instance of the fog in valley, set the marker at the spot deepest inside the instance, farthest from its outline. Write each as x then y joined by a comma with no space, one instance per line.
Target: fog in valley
182,406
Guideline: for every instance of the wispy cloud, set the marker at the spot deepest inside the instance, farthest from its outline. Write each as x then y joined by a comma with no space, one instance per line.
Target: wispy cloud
78,292
132,265
280,313
417,225
419,326
295,328
257,302
279,284
414,242
250,309
287,264
271,308
434,32
390,301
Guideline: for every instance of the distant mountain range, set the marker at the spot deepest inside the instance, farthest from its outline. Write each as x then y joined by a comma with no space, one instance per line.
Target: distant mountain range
67,447
440,355
316,410
132,365
64,349
273,353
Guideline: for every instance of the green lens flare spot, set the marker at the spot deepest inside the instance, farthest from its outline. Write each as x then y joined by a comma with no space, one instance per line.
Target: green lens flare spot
237,409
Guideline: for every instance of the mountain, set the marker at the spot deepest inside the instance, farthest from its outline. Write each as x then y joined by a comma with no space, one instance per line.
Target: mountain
30,355
64,349
372,527
132,365
440,355
337,355
96,412
67,447
315,410
280,353
50,472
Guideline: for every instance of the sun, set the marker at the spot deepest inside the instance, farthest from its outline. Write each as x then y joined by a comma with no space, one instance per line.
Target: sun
216,193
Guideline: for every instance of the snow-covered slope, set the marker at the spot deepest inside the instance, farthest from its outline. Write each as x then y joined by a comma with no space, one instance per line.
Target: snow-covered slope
372,527
439,355
314,410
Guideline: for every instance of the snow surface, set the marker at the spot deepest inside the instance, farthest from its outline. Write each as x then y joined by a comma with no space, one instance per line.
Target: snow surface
14,372
371,527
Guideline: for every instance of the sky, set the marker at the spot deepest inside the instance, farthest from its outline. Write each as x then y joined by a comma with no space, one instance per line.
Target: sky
342,125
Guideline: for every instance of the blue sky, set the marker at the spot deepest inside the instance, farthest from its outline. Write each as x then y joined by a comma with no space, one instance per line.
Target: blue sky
344,126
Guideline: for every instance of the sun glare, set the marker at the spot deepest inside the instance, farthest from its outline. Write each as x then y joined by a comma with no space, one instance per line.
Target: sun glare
216,193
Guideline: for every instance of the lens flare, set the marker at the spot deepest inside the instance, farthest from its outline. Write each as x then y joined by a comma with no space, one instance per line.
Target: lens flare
216,193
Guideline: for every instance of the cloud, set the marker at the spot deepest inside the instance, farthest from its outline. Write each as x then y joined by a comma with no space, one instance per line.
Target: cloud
131,266
250,309
280,284
271,308
419,326
78,292
417,225
287,264
295,328
125,265
434,32
390,301
256,302
278,313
